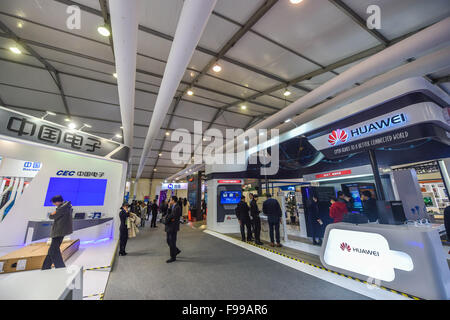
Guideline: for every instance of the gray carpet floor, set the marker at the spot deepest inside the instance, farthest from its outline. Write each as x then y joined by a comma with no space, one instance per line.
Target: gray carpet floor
208,268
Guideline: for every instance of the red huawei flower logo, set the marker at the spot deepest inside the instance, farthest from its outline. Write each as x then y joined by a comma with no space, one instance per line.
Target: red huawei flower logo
345,246
337,136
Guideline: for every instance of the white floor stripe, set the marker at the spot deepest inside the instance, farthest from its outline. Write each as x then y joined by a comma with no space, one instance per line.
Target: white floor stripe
349,284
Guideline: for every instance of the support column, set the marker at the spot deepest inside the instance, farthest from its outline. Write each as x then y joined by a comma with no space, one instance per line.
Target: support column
376,175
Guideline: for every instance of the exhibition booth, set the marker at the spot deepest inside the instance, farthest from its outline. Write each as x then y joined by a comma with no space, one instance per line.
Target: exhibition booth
41,159
375,144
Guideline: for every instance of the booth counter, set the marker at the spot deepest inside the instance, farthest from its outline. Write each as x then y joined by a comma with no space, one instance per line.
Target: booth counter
407,258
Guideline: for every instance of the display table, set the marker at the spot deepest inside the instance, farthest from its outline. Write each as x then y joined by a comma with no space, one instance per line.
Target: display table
407,258
54,284
38,230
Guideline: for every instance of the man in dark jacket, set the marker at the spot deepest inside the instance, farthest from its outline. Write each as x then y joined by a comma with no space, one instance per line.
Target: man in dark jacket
254,212
123,215
369,206
172,227
62,226
154,214
272,209
244,219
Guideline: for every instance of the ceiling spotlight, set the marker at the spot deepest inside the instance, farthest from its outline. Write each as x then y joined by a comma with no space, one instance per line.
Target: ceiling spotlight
190,92
204,139
217,68
160,154
121,127
118,135
295,1
243,107
154,169
72,125
192,74
15,50
85,125
104,31
287,120
167,133
48,113
115,75
67,119
20,24
287,93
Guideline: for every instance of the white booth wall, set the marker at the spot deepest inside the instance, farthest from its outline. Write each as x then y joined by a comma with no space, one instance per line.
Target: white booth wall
30,206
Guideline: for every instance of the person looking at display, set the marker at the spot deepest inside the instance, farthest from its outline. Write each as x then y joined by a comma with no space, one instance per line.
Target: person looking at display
317,221
272,209
62,226
172,227
349,201
254,212
337,210
242,213
123,229
369,205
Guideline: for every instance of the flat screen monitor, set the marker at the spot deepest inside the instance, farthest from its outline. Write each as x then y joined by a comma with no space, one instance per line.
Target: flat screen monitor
230,197
354,192
79,191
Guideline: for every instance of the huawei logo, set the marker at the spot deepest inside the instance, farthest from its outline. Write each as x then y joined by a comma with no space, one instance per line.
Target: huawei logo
345,246
337,136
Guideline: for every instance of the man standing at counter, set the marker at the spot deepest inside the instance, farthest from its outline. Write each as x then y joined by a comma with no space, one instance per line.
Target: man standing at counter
254,212
369,206
272,209
243,216
61,227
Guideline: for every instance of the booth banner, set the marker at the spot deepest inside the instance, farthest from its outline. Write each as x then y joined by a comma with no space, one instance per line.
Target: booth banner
174,186
25,127
413,122
19,168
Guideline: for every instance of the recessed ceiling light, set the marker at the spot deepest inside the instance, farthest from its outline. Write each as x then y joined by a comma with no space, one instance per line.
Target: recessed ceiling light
295,1
192,74
287,120
121,127
72,125
190,92
15,50
204,139
20,24
51,113
154,169
67,119
167,133
118,136
160,154
115,75
87,125
243,107
217,68
287,93
103,31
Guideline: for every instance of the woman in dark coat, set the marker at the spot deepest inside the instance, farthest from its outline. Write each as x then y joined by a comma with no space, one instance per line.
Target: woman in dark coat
124,214
317,221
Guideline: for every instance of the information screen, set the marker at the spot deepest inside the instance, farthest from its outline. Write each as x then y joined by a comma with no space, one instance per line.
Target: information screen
79,191
230,197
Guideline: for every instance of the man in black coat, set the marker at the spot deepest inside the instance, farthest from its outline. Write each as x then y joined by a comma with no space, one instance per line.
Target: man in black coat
154,214
61,227
123,229
244,219
254,212
172,227
369,206
272,209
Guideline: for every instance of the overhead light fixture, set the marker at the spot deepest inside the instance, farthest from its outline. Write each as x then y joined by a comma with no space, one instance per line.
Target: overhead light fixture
154,169
48,113
243,107
67,119
190,92
295,1
118,135
115,75
20,24
72,125
287,93
192,74
85,125
121,127
15,50
167,133
287,120
217,68
104,31
204,139
160,154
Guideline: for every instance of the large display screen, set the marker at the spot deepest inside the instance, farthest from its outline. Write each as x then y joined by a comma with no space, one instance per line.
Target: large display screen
230,197
79,191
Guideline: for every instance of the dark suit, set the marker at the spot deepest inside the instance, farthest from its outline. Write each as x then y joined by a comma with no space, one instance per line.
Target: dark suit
370,209
61,227
272,209
172,228
123,215
154,214
254,212
243,216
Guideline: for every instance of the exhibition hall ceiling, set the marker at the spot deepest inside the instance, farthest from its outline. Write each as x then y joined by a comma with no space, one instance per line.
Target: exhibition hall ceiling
285,47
